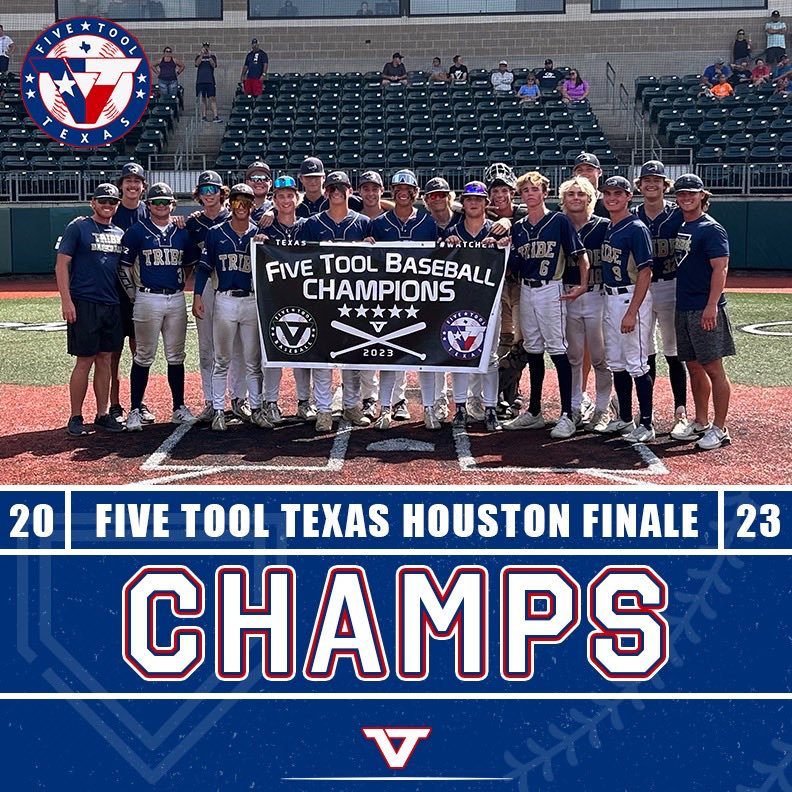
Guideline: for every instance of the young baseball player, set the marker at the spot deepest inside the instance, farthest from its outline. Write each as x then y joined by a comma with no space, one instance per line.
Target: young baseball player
542,242
312,178
86,269
159,252
226,255
663,219
585,315
704,335
626,274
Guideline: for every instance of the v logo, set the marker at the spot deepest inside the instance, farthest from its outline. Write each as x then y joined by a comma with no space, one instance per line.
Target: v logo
293,331
397,759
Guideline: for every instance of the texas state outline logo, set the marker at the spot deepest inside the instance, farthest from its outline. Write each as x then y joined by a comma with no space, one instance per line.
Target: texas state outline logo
86,81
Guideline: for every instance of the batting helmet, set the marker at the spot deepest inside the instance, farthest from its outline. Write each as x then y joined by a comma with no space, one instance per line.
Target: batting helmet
242,191
499,173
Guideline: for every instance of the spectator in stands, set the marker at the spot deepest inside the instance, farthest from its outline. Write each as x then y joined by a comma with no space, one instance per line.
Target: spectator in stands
783,68
706,91
7,48
776,38
741,49
711,73
741,74
168,71
205,86
364,10
574,88
288,9
254,70
394,71
549,77
722,88
438,73
502,79
529,92
458,71
760,73
782,87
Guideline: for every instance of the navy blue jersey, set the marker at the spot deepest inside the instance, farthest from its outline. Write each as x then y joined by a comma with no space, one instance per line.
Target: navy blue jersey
419,227
308,208
541,251
458,229
592,235
227,254
322,228
158,256
698,242
626,249
259,211
199,225
125,218
282,234
95,251
663,230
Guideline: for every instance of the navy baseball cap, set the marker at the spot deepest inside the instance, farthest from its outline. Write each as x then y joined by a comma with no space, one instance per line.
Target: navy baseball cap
210,177
689,182
474,189
617,183
106,190
242,191
132,169
438,184
256,167
312,166
370,177
652,168
337,177
584,158
159,190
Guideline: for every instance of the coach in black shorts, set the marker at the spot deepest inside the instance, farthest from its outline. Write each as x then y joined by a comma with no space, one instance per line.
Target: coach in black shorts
704,335
86,270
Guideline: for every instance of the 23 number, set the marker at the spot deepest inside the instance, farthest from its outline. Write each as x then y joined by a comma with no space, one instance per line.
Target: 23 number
769,527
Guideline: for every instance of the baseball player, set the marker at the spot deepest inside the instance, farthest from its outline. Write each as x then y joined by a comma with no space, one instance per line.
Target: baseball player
475,230
86,269
704,335
405,222
159,252
585,315
226,255
258,177
337,223
588,166
312,178
663,219
626,274
541,244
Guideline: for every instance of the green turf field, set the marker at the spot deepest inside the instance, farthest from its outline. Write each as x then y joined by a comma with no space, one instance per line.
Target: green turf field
39,358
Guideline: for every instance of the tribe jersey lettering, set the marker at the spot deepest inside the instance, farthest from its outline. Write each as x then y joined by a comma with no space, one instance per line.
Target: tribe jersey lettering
626,249
95,251
227,254
592,235
322,228
467,239
663,231
159,257
541,251
697,243
419,227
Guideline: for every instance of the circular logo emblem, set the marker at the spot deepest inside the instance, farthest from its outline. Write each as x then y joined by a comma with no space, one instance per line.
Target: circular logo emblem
462,334
292,330
86,81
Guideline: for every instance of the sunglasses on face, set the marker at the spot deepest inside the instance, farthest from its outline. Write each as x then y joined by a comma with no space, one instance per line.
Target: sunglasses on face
107,201
336,187
208,189
168,52
436,196
260,178
240,203
160,201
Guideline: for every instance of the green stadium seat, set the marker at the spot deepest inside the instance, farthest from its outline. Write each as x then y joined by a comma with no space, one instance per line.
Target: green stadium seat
717,139
552,158
763,154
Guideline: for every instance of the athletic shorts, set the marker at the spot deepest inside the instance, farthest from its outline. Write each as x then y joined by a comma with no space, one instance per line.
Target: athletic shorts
126,306
252,86
703,346
97,329
205,89
4,62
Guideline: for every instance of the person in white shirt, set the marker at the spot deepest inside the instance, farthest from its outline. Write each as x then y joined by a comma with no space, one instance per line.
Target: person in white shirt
502,79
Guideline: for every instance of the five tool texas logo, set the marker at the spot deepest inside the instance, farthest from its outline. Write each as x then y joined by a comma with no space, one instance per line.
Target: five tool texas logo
86,82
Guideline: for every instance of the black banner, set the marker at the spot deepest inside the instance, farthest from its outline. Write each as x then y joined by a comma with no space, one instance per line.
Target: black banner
382,307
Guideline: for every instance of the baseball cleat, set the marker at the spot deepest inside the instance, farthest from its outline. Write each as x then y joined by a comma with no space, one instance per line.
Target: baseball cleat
525,421
370,408
440,409
714,438
324,422
117,411
641,434
182,415
680,421
355,416
306,411
383,423
587,408
76,427
564,428
241,409
259,418
475,409
273,413
207,414
431,421
691,431
599,422
108,423
400,411
491,422
460,418
134,421
146,414
219,421
617,426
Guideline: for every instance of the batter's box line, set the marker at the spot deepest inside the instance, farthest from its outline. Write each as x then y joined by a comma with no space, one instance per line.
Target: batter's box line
654,466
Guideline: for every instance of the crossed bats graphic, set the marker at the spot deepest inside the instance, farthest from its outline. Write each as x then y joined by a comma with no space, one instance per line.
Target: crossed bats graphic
385,340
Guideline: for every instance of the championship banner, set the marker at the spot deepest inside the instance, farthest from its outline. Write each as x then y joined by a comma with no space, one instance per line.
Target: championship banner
384,307
338,638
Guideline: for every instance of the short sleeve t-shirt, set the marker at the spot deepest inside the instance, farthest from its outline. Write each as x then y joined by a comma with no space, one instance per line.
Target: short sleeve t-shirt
95,250
697,243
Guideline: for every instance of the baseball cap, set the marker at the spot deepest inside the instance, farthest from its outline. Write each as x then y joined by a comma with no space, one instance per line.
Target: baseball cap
106,190
584,158
720,61
205,44
210,177
688,182
617,183
159,190
284,183
652,168
254,41
437,184
548,61
370,177
503,63
242,191
257,166
775,13
337,177
398,54
133,169
474,189
404,176
312,166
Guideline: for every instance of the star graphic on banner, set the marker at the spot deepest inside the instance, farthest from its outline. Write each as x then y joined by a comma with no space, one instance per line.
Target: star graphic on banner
412,312
140,94
86,26
378,311
345,310
395,312
30,94
361,311
65,84
141,78
29,78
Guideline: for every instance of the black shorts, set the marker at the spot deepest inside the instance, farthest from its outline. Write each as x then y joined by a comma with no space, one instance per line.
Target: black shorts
126,306
703,346
4,61
97,329
205,89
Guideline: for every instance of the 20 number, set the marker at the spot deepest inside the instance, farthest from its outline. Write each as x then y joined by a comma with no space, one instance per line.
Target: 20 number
41,518
769,527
